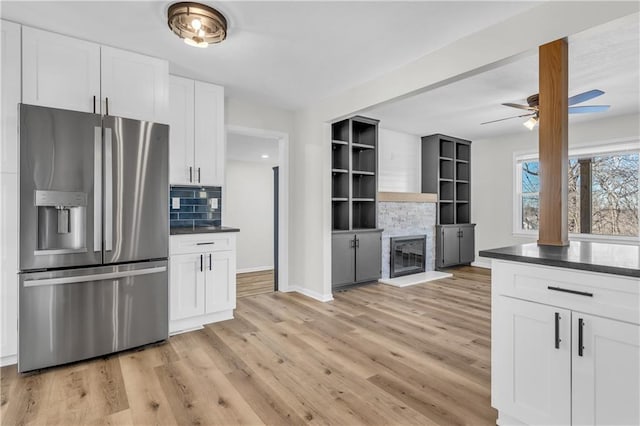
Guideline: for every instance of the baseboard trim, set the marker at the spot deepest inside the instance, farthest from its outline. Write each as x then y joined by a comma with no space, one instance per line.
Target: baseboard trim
8,360
309,293
254,269
482,263
196,323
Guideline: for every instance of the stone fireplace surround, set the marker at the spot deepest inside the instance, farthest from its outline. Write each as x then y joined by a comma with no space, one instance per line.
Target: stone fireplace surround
403,214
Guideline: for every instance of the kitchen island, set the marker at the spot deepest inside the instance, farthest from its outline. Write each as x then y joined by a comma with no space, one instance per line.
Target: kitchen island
566,334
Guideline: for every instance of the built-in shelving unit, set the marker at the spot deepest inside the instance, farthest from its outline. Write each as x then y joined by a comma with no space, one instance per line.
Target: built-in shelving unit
446,171
354,173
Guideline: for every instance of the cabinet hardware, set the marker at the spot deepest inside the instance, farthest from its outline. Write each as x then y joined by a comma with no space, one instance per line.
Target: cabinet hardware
352,243
201,261
198,174
107,106
580,336
190,174
564,290
205,244
357,243
558,330
94,104
210,261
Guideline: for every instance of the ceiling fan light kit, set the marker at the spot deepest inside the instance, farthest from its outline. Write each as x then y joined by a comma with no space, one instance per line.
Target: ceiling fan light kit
531,123
197,24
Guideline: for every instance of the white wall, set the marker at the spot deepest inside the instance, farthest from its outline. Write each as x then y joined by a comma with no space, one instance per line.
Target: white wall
310,251
250,204
492,174
398,161
240,112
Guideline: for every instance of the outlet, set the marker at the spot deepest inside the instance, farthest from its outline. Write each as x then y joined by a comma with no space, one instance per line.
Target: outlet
213,203
175,203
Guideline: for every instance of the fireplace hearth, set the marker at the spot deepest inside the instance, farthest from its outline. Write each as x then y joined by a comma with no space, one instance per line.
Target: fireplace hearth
407,255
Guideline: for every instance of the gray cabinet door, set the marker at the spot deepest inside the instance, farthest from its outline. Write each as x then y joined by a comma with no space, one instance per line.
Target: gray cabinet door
343,259
368,256
467,244
450,248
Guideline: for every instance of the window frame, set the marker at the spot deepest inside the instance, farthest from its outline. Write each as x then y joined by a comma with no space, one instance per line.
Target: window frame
611,148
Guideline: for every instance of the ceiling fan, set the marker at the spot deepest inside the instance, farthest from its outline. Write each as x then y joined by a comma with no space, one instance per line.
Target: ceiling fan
533,112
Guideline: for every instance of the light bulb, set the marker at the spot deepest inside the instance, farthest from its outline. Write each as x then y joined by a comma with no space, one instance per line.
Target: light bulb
196,24
530,123
201,33
194,43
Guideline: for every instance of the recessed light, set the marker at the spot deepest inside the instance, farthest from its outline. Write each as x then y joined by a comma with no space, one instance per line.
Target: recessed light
265,155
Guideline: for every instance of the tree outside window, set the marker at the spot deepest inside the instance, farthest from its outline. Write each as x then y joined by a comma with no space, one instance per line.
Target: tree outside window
602,194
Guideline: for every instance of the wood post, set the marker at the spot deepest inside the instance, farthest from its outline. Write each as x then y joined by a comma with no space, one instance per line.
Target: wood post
585,195
553,143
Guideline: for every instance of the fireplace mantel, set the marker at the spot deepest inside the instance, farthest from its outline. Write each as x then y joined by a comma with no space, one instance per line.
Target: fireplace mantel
407,197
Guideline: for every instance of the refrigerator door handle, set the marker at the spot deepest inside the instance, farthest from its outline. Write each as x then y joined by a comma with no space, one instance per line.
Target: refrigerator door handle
97,189
94,277
108,190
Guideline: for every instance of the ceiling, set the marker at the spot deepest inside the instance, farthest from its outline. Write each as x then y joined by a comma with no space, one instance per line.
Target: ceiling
251,148
606,57
287,54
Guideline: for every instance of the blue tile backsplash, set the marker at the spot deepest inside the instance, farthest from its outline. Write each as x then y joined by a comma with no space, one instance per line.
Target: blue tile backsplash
195,208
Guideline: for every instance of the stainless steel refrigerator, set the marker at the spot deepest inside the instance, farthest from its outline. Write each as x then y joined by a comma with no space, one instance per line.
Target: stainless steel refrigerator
93,235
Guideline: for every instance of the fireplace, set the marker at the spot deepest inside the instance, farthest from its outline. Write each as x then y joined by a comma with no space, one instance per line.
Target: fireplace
407,255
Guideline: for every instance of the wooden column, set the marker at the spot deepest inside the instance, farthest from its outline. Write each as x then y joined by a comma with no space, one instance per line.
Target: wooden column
553,143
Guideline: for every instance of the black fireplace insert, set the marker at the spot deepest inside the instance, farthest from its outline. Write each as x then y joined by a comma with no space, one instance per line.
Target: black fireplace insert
407,255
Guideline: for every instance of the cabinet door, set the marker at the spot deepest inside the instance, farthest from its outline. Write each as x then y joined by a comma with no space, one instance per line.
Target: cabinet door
450,246
368,256
137,86
181,166
10,96
209,134
60,72
220,271
606,377
531,377
186,286
467,244
9,262
343,259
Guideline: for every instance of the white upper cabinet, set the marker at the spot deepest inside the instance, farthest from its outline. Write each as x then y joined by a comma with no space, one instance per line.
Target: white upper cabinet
10,96
67,73
197,137
181,142
209,133
135,86
59,71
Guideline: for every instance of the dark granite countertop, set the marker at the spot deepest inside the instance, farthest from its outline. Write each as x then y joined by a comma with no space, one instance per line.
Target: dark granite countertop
201,230
617,259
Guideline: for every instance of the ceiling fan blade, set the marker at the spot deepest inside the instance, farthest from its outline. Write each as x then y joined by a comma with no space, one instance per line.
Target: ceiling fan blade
509,118
588,108
527,107
582,97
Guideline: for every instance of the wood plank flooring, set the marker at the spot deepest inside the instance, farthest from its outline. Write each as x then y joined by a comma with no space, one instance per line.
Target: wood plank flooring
253,283
375,355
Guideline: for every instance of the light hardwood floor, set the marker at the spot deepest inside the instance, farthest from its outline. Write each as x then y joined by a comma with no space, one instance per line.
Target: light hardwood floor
253,283
375,355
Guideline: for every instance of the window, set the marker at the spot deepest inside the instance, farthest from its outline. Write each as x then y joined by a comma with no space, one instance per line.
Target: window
602,194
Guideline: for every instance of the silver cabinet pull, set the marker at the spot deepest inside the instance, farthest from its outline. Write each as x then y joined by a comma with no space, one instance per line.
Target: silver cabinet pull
210,261
108,191
107,106
97,188
198,174
190,174
94,104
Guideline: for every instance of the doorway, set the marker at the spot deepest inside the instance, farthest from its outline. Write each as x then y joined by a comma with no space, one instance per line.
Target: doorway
254,202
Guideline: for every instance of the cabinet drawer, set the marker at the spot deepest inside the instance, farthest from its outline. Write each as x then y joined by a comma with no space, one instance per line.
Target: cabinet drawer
184,244
600,294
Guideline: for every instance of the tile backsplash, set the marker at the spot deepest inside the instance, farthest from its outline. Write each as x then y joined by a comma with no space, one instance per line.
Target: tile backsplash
195,206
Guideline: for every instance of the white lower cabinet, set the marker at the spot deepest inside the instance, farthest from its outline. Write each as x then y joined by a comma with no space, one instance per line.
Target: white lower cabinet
202,280
562,362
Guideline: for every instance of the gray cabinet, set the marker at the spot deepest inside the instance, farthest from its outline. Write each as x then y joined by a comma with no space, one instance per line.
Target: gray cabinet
356,257
455,244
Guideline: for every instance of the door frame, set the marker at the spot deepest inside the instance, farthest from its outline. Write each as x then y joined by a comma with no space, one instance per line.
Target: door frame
283,192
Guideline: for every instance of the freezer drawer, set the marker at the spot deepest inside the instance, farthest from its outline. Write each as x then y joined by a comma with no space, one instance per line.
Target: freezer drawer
71,315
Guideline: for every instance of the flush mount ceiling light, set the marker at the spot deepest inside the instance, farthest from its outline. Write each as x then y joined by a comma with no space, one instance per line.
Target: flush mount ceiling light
197,24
